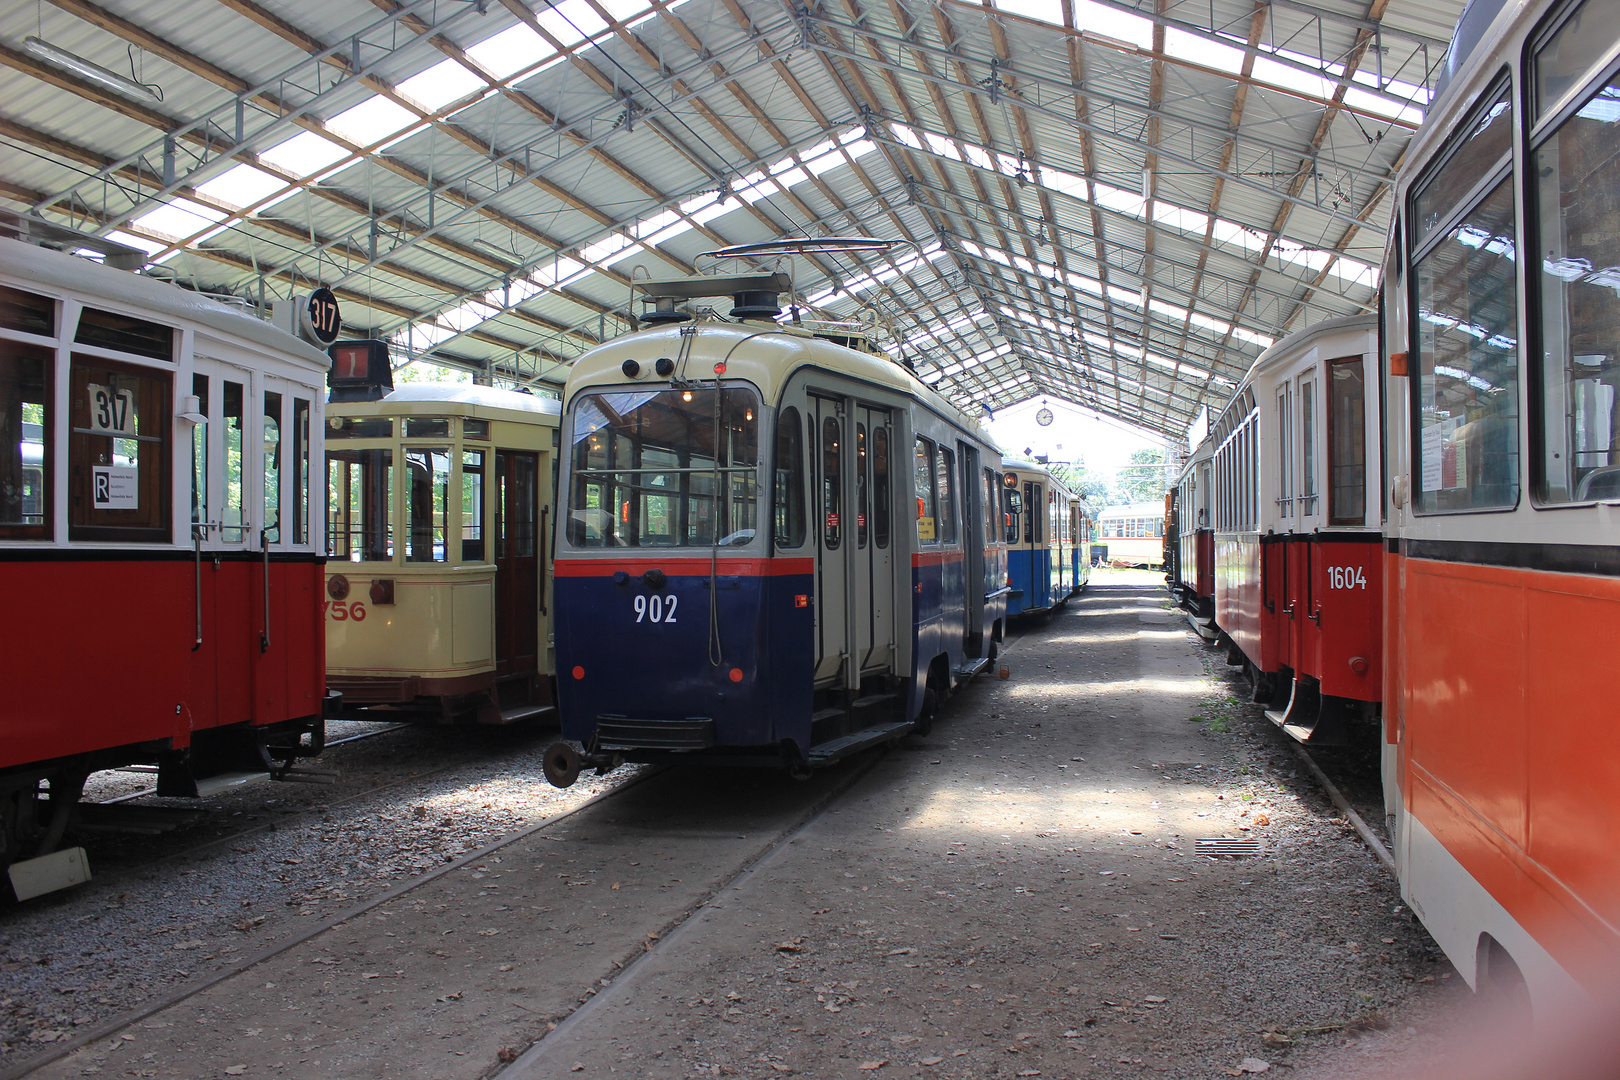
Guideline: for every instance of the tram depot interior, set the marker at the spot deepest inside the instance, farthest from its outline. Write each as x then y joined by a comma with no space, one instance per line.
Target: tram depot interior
551,537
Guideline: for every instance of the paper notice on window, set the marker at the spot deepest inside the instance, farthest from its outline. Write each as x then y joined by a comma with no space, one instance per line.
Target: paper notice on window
115,487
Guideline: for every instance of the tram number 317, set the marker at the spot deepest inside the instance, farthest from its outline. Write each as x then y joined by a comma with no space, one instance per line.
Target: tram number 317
655,608
1346,577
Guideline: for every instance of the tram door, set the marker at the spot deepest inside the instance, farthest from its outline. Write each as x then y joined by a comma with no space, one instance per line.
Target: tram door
517,562
973,542
828,454
279,414
226,508
872,599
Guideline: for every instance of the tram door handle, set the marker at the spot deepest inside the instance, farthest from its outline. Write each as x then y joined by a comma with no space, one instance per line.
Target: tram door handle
1284,583
264,547
1312,611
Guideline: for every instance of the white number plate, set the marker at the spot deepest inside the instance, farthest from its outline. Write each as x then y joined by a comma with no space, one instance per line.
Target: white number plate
656,608
111,412
1346,577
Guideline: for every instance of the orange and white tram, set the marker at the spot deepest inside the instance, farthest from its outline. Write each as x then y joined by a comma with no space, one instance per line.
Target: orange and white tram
1298,589
1502,575
160,546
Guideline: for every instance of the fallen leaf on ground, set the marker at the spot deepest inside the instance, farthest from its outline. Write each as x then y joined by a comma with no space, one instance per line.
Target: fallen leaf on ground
870,1065
930,1061
1253,1065
235,1070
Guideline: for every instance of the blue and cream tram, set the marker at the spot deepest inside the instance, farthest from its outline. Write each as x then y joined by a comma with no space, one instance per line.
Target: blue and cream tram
1044,522
772,547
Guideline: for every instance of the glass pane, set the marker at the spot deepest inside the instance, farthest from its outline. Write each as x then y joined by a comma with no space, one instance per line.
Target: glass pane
831,483
427,427
118,479
1468,378
28,312
125,333
360,505
472,506
860,486
301,472
927,503
1307,430
1347,453
25,465
427,491
789,486
1573,51
646,468
359,427
1576,191
272,467
1032,495
517,474
945,470
1285,451
475,429
232,524
880,485
1480,144
199,454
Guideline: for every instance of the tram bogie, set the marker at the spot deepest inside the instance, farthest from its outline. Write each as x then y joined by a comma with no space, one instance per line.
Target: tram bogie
437,602
774,548
159,548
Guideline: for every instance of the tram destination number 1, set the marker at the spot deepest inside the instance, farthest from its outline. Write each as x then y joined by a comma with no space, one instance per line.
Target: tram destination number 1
1346,577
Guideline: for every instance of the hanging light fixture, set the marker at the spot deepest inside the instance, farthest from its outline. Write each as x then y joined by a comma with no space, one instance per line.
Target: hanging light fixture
87,70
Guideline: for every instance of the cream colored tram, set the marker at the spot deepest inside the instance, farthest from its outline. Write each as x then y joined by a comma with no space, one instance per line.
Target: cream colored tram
437,603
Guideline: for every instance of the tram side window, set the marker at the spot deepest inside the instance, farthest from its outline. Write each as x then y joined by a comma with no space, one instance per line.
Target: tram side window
881,495
832,487
861,493
118,469
25,448
301,471
927,498
992,507
1576,196
788,490
1307,432
360,501
272,467
472,505
233,526
427,494
1032,499
1347,445
945,469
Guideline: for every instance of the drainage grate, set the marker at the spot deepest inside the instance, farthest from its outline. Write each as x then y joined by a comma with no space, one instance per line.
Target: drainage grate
1220,845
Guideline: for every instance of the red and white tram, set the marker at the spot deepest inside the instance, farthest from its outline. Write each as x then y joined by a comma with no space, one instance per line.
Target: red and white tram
160,540
1297,547
1193,556
1502,575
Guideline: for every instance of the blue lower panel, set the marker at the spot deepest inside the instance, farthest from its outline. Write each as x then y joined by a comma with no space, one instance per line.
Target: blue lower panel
647,670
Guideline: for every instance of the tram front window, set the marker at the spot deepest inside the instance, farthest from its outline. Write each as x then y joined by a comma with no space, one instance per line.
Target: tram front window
665,468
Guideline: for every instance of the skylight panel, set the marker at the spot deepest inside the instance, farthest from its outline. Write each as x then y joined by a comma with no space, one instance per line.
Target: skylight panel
151,247
439,85
571,22
242,185
372,121
510,51
304,154
1106,21
179,218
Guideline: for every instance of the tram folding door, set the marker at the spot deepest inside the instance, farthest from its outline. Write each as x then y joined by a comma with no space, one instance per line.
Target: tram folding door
854,471
517,562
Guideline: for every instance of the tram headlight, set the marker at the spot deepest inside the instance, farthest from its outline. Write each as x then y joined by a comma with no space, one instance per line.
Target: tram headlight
631,369
337,587
664,366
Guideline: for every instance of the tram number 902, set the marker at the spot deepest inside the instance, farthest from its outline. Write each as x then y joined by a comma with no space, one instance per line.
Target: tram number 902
1346,577
656,608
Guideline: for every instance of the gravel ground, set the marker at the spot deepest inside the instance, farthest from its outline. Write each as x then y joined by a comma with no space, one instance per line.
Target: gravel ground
257,863
1019,894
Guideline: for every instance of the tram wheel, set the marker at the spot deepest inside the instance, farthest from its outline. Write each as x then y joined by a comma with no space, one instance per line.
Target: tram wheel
561,764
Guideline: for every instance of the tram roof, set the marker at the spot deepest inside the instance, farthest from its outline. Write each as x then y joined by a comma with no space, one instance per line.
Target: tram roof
1119,203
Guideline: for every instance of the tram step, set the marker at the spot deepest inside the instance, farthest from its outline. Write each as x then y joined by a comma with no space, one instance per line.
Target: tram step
307,776
869,701
972,667
513,714
830,713
830,751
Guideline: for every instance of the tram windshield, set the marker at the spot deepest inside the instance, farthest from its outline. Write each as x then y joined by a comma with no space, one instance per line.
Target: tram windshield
647,465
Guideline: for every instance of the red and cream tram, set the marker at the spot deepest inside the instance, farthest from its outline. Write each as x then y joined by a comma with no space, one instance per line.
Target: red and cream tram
1193,557
1502,575
1298,585
160,550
